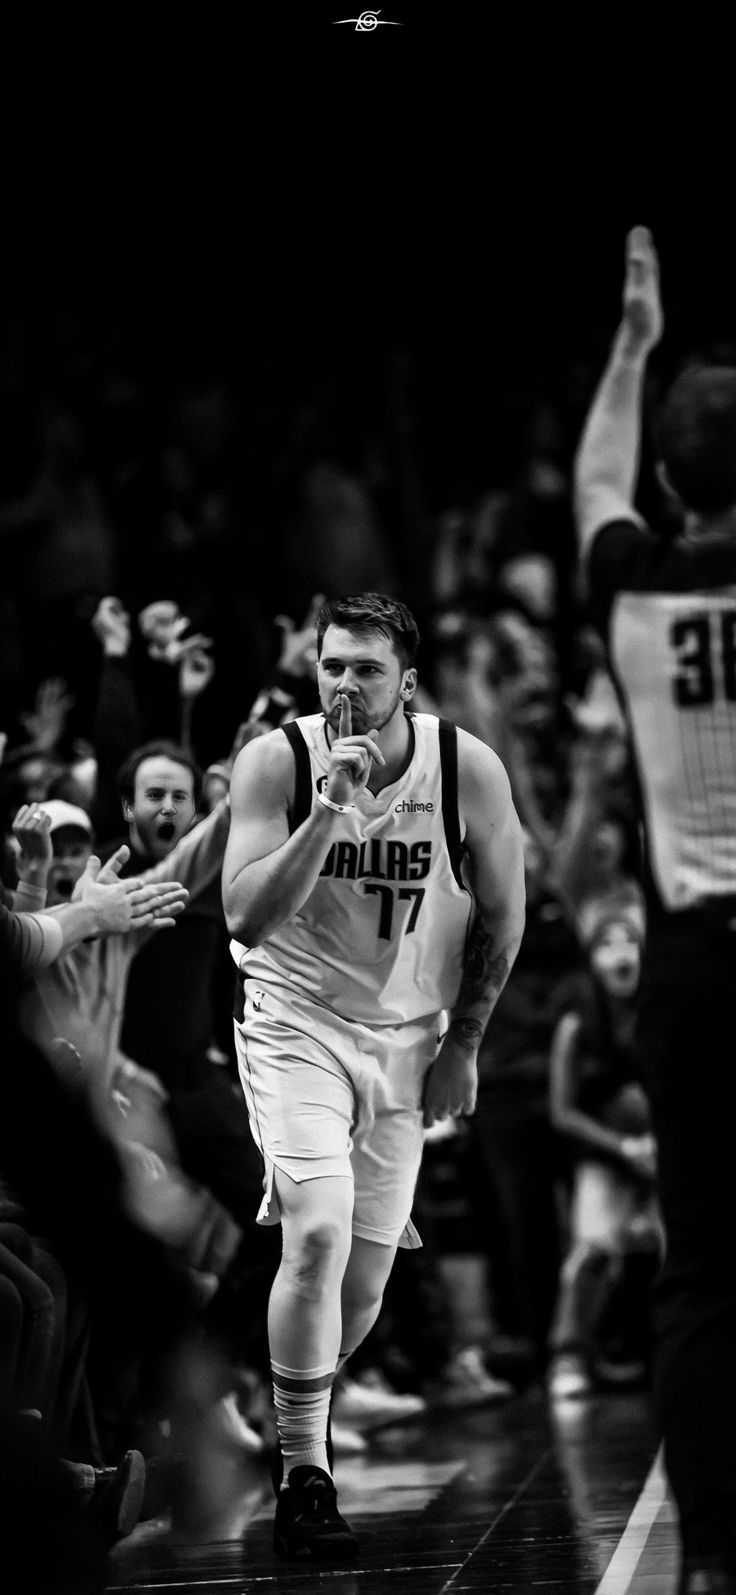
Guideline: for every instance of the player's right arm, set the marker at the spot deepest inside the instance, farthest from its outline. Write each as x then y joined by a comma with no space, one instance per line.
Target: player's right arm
607,462
267,874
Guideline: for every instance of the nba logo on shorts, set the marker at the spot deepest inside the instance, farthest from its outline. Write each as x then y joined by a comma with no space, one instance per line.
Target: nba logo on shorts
257,1000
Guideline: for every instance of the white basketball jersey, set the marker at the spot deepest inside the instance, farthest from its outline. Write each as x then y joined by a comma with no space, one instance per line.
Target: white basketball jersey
381,938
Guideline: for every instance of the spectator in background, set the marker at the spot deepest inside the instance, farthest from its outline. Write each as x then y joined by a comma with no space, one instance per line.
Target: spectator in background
463,660
333,536
664,604
420,1357
64,1181
596,855
599,1110
29,771
495,677
135,704
536,545
169,1022
44,1376
513,1163
172,1026
72,1010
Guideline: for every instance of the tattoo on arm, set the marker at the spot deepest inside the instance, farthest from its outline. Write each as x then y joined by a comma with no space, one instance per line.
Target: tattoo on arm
484,977
469,1032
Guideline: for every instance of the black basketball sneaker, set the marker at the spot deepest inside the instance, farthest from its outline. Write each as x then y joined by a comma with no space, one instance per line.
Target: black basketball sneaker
308,1526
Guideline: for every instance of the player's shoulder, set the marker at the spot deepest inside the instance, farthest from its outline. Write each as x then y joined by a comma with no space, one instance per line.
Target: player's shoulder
472,751
268,753
480,770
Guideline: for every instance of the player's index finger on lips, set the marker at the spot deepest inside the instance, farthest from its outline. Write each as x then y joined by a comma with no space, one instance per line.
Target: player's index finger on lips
346,716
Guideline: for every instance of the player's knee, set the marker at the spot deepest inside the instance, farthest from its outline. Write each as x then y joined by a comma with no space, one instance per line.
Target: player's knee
317,1254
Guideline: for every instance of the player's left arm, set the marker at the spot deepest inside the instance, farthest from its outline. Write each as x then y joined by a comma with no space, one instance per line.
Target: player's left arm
493,841
607,461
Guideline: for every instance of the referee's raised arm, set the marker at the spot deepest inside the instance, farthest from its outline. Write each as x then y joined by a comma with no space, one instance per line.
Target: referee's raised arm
607,461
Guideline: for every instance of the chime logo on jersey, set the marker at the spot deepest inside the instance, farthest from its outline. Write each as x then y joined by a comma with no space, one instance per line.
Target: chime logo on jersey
380,859
405,806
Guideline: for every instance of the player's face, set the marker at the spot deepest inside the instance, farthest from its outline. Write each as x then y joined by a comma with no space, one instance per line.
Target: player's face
616,960
71,848
163,805
365,667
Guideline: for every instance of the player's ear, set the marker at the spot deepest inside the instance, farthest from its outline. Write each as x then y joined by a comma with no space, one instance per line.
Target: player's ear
409,685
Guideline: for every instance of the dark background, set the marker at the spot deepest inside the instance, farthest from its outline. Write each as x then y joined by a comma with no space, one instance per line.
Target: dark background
318,218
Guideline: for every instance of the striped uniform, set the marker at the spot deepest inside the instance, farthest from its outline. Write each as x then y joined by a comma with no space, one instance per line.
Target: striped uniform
344,1004
668,612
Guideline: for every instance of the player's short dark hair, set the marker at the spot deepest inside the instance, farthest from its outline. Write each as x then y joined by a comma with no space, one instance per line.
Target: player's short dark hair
160,749
695,437
373,612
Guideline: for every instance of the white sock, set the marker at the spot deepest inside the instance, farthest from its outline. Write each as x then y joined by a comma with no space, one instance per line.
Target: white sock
302,1402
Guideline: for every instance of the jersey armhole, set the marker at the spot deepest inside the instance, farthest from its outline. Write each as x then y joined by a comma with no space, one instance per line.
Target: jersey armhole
450,811
303,786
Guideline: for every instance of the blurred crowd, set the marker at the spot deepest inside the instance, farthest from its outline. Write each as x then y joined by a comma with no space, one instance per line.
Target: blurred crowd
168,533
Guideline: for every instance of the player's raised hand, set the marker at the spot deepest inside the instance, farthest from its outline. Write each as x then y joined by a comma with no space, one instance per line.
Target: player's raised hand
351,758
643,318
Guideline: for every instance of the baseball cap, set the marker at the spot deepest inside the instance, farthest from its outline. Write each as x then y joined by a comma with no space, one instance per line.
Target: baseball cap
61,813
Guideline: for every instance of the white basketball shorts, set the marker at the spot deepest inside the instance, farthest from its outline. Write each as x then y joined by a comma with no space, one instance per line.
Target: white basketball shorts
329,1097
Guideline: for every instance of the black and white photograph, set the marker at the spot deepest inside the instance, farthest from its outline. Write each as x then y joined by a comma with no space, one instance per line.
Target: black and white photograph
367,808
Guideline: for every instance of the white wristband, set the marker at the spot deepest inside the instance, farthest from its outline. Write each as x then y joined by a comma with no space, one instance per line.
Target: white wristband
339,808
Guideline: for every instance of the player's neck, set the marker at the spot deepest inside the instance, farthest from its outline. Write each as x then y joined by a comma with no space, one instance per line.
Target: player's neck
397,746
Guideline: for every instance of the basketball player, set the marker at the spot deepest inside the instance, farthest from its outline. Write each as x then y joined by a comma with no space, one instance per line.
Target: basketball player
667,607
373,885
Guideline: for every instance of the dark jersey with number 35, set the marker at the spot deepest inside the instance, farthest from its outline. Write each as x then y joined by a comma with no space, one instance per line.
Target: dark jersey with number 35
667,611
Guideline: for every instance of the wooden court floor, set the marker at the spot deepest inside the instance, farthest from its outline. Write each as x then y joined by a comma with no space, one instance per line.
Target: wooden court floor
569,1500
